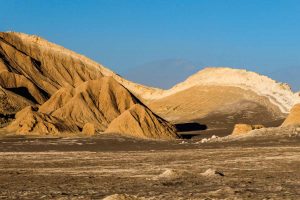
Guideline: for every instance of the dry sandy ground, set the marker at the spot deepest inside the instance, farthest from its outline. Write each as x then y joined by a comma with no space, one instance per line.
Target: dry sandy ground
77,168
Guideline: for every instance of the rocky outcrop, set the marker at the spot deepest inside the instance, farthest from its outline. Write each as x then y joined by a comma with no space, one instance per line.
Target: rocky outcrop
72,92
293,118
89,129
217,102
240,129
39,71
49,66
279,94
12,103
30,121
140,122
222,97
98,101
21,86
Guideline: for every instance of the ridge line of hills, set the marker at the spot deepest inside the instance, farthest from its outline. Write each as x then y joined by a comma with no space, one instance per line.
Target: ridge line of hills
62,90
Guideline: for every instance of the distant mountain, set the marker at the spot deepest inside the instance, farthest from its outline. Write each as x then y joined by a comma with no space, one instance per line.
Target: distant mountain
162,74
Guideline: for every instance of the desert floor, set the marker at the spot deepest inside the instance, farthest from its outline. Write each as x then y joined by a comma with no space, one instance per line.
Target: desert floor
93,168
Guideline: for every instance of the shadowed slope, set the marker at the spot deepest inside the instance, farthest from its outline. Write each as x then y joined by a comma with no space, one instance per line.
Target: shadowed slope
11,102
10,80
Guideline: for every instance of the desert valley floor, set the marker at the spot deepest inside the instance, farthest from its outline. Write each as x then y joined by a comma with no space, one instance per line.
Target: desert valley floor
70,128
96,167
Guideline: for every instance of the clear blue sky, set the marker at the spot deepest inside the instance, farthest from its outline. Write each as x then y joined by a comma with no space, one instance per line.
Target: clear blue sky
260,35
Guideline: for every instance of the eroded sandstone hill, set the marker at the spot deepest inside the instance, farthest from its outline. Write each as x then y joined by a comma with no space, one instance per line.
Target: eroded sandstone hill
47,89
293,118
223,97
99,101
140,121
66,85
30,121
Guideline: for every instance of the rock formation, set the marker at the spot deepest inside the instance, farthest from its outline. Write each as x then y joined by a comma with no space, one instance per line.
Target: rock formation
293,118
278,94
223,97
97,101
49,66
206,100
52,90
65,86
140,122
89,129
29,121
11,102
240,129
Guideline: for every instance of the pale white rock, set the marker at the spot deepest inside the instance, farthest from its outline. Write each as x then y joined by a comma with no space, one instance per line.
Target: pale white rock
168,174
212,173
214,137
204,140
122,197
279,94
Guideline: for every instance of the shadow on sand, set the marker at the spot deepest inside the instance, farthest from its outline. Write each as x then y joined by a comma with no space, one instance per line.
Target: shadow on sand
189,130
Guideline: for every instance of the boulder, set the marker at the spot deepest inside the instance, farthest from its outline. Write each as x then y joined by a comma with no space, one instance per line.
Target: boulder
240,129
89,129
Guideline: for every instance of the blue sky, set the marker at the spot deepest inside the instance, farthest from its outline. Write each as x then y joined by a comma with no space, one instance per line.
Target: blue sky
259,35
